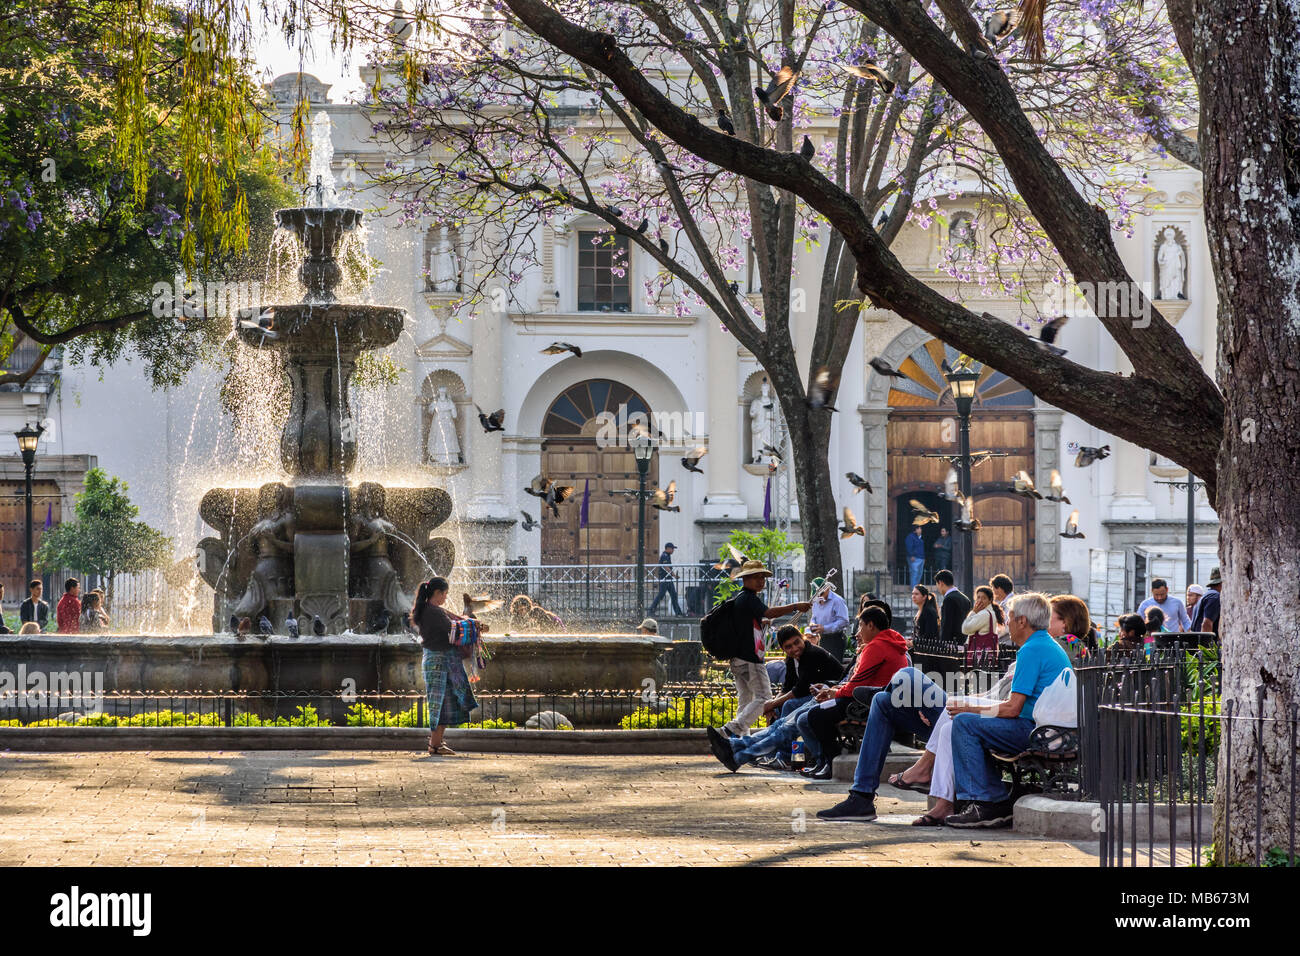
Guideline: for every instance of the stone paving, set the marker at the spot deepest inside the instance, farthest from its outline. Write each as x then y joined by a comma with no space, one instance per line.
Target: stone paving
379,808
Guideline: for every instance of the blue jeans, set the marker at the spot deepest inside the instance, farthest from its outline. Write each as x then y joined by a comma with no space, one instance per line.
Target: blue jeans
979,776
908,696
917,567
778,736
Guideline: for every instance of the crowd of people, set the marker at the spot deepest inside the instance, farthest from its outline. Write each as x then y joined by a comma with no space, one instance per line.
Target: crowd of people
817,682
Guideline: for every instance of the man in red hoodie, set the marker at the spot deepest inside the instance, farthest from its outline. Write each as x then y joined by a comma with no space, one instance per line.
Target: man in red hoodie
67,615
882,652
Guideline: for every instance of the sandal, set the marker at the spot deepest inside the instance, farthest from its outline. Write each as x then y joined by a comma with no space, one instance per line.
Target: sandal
442,750
927,821
899,783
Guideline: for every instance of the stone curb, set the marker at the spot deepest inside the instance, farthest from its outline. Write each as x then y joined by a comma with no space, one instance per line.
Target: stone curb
660,742
1037,815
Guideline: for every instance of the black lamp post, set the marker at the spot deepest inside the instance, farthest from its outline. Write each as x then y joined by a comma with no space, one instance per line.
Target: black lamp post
642,450
963,382
1191,486
28,437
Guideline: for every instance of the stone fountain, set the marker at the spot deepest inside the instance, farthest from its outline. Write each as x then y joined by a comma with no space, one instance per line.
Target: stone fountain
316,543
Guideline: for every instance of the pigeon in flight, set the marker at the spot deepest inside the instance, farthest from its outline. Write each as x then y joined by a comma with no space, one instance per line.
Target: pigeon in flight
725,124
559,348
867,70
1000,25
823,389
772,452
1072,526
494,422
968,521
528,523
1047,334
952,485
884,368
693,457
807,150
551,493
851,526
858,482
1023,485
921,514
480,604
1086,455
662,499
1057,488
667,168
780,86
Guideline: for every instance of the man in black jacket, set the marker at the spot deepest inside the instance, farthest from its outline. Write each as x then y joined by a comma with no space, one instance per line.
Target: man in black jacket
806,664
953,608
667,584
34,609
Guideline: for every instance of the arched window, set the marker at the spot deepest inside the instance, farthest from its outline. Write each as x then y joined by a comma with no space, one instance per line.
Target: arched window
581,403
926,387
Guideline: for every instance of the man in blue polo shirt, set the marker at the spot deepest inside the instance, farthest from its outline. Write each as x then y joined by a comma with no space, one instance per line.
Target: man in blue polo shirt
976,730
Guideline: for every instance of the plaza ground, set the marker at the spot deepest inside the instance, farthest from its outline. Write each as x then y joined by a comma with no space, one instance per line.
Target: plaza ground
380,808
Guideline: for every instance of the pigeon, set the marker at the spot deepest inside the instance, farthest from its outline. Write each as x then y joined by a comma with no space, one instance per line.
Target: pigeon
858,482
645,224
559,348
494,422
772,452
291,625
615,211
884,368
725,124
823,389
1058,489
968,521
234,624
1047,334
1024,485
733,287
1001,24
780,86
867,70
264,625
1072,526
318,626
662,499
807,150
952,485
528,523
263,328
735,554
851,526
882,219
480,604
921,514
693,457
667,168
551,493
663,245
1086,455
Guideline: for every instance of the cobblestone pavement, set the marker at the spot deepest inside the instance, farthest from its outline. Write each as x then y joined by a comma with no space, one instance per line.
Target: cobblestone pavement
311,807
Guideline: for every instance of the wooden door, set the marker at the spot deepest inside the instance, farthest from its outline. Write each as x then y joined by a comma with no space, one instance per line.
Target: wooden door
612,519
13,530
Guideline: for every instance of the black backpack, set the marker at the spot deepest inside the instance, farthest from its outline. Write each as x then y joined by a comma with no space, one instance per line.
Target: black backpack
724,635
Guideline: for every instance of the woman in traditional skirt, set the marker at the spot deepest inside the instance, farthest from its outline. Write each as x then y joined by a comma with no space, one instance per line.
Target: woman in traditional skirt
449,694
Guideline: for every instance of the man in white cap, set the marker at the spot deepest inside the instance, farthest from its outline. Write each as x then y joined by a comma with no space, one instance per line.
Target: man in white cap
753,687
1194,593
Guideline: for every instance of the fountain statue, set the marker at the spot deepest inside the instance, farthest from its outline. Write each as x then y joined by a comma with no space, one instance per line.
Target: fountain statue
315,543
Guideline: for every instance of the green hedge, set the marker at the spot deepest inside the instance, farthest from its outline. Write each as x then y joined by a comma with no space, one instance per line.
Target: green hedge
705,712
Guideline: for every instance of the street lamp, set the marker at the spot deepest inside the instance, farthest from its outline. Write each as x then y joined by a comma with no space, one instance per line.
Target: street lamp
962,381
642,450
28,438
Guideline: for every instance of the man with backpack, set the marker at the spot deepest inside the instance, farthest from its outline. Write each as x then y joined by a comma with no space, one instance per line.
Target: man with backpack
734,630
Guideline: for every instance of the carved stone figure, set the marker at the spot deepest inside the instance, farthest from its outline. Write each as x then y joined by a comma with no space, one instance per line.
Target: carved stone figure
1171,265
442,444
444,269
961,237
762,423
272,540
373,575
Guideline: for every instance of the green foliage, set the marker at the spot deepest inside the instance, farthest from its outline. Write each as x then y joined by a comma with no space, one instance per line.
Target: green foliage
495,724
104,538
1201,672
1192,727
704,712
769,545
363,715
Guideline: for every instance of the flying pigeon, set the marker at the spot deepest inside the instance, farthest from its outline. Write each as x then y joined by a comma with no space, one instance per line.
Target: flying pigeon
736,555
807,150
528,523
318,626
781,85
1087,455
867,70
480,604
1001,24
851,526
493,422
693,457
559,348
666,167
884,368
921,514
1024,485
952,485
823,389
551,493
968,521
858,482
725,124
772,452
662,499
1047,334
1072,526
1058,489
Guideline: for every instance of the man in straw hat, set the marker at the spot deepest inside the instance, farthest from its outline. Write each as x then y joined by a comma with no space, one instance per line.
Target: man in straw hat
753,687
830,617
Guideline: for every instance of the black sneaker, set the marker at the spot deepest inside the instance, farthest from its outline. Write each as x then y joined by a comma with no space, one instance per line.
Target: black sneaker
823,771
721,748
811,769
855,808
983,815
774,762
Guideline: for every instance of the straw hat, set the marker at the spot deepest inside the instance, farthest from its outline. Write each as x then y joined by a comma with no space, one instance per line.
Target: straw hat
750,568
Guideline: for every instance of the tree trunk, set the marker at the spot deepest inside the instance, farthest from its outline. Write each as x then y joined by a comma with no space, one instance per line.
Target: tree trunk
1250,84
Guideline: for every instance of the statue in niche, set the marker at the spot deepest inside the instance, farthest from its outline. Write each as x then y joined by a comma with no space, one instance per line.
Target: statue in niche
442,443
1171,265
443,266
272,538
762,423
961,238
372,574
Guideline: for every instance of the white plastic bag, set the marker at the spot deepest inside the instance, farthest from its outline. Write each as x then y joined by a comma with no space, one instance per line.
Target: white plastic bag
1058,705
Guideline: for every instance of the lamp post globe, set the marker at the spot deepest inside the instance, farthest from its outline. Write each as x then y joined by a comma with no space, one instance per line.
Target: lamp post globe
963,381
